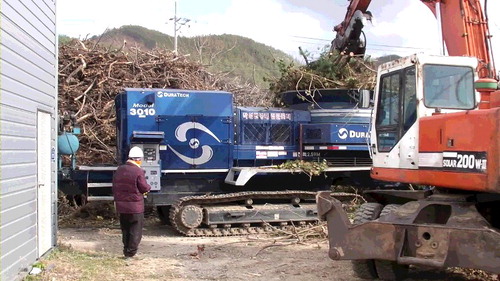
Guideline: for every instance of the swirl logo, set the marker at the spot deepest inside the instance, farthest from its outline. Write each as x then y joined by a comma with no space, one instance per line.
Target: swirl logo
343,133
194,143
206,151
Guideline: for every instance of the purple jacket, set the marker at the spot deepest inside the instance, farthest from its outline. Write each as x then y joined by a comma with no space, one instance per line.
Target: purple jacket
129,185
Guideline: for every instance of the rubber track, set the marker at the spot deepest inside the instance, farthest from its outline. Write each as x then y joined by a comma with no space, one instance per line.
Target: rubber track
232,197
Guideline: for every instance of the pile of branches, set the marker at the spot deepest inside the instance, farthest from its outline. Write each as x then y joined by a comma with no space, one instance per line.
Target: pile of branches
90,76
311,168
330,70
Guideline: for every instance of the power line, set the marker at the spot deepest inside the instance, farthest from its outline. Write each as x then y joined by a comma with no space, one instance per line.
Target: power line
376,45
393,50
311,43
386,50
318,39
400,47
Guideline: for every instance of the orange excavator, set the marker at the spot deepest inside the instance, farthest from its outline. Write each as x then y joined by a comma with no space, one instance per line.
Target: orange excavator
435,126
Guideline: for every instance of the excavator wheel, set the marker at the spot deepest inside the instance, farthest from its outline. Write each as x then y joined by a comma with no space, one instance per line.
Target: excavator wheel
389,209
390,270
365,269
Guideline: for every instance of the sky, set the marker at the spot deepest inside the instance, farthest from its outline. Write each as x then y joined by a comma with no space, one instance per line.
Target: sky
399,27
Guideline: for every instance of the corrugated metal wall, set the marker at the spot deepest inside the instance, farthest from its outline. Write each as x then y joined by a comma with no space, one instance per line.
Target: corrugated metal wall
28,83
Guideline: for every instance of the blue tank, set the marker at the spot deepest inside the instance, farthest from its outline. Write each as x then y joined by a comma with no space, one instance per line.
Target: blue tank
67,143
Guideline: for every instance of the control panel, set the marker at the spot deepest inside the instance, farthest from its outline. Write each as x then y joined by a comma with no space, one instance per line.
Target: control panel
151,164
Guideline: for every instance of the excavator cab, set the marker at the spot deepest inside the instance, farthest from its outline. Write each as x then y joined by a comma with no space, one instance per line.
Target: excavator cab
412,88
427,129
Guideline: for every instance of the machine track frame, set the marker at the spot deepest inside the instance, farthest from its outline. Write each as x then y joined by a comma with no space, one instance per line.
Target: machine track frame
239,227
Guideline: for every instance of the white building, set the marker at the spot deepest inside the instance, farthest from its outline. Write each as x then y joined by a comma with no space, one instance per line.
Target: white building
28,131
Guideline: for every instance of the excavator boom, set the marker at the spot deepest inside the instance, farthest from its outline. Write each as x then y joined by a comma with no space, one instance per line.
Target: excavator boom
465,31
463,24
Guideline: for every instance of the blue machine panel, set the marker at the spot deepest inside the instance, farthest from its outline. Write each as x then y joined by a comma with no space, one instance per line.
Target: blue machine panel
335,134
202,142
267,133
197,125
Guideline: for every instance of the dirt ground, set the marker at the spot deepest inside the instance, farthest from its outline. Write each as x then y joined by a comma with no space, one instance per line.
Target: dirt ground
221,258
164,255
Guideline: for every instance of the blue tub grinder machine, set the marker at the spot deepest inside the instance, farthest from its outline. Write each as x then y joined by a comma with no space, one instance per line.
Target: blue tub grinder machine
212,165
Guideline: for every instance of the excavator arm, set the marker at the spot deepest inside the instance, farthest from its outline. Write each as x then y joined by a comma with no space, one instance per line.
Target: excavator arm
349,32
463,25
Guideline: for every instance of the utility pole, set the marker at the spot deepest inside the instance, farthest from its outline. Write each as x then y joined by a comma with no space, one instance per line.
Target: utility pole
177,22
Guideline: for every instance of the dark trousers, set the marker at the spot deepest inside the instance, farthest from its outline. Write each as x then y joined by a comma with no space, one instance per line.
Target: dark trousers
131,225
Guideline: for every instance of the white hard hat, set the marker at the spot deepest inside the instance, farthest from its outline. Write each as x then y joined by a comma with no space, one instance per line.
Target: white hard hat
135,152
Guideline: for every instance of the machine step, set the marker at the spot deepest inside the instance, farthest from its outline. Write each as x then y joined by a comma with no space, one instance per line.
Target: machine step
100,198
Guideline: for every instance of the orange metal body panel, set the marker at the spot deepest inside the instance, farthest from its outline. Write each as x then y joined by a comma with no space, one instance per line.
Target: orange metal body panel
472,182
476,131
495,99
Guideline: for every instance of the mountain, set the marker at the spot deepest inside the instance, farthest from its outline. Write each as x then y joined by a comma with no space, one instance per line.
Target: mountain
383,59
235,55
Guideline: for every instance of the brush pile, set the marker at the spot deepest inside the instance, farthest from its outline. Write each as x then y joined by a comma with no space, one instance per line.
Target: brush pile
90,76
311,168
331,70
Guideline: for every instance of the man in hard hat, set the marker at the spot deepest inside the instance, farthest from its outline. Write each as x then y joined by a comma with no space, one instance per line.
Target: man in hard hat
129,187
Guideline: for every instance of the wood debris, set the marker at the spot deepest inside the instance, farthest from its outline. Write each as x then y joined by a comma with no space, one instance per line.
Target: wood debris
311,168
90,77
